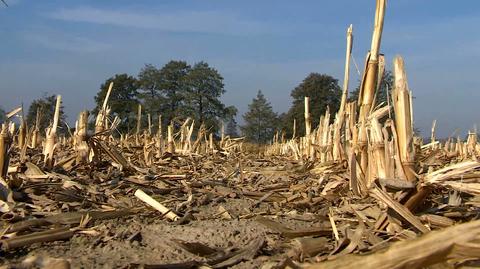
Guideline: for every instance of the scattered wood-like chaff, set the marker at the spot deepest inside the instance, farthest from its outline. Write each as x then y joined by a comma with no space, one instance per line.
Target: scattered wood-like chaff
358,190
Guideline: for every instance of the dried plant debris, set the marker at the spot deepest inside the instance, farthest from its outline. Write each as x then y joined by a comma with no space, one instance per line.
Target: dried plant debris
359,190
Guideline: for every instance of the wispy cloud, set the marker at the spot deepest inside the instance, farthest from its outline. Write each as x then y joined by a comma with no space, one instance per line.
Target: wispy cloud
65,42
179,21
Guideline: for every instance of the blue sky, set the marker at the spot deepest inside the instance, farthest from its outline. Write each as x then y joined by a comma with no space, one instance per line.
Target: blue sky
71,47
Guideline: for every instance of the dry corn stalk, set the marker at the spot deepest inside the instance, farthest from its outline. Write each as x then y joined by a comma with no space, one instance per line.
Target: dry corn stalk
456,176
139,124
369,81
170,141
5,143
377,145
433,141
456,243
222,134
337,143
81,145
294,128
36,130
159,138
471,144
51,135
100,123
403,118
210,142
22,133
308,126
149,120
155,204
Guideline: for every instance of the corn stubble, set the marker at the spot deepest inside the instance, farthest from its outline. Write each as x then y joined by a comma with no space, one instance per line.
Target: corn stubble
374,194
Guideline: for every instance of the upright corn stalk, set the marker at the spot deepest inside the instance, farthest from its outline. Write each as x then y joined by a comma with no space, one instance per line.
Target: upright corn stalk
432,135
22,133
51,134
149,120
369,84
294,129
170,142
337,145
308,126
36,130
210,143
377,165
159,140
222,135
472,144
346,76
187,144
350,129
5,143
100,122
403,118
81,145
139,124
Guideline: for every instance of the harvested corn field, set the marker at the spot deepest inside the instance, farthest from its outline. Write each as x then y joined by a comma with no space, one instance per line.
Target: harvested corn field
359,188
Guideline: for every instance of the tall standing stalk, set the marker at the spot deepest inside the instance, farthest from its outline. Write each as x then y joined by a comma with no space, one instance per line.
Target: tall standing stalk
81,145
22,133
346,76
36,129
159,140
170,142
369,84
51,135
100,123
139,124
403,118
294,129
149,120
308,126
5,143
337,146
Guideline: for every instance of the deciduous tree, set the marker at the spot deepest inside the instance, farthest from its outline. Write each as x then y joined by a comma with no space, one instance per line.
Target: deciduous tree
173,86
149,91
123,100
45,105
323,91
205,87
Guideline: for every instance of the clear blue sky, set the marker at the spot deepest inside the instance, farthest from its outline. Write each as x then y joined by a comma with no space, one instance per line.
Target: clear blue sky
71,47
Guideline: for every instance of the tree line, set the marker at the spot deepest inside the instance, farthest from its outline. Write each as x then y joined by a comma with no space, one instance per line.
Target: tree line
177,91
261,122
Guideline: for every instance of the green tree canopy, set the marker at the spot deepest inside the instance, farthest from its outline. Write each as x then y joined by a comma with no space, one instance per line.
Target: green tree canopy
260,120
323,91
205,87
45,106
175,91
123,99
149,89
173,86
